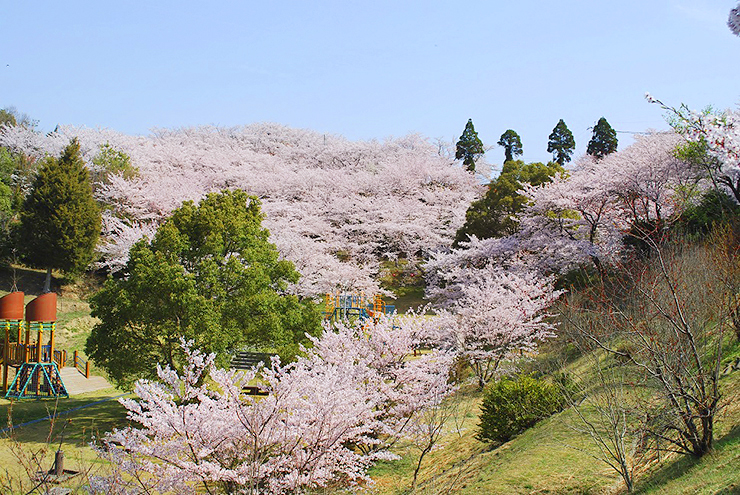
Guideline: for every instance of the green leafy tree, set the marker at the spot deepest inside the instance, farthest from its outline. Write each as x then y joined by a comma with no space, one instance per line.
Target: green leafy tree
512,144
9,163
59,220
110,161
7,210
494,215
16,169
561,143
7,117
209,275
603,141
469,147
11,117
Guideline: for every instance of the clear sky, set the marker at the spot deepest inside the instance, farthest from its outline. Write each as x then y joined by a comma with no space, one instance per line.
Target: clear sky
368,69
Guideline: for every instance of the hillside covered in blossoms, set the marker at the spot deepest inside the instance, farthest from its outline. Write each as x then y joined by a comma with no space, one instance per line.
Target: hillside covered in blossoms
334,207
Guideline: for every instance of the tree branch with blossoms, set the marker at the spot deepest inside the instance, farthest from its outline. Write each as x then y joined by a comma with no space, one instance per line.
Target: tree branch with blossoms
326,419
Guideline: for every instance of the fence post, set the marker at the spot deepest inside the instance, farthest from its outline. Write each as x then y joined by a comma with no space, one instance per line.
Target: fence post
87,369
75,359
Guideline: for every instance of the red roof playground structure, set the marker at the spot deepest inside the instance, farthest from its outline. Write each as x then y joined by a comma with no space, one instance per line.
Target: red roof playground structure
35,365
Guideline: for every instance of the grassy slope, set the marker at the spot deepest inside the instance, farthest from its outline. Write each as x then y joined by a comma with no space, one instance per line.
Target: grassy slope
716,473
553,458
542,460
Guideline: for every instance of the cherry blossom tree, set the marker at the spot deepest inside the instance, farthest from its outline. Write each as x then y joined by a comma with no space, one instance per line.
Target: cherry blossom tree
733,21
585,215
580,218
573,220
449,272
295,437
120,236
327,417
719,133
425,404
498,317
324,196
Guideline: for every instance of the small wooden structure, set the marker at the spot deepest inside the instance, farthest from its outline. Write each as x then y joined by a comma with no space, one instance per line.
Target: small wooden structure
37,365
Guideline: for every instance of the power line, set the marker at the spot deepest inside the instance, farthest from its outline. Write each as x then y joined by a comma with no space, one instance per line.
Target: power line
635,132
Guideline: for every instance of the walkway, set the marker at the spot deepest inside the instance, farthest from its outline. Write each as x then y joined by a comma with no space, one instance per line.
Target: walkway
76,383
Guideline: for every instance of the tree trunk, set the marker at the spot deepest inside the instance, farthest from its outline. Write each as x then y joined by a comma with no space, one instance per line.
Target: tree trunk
418,468
47,282
627,476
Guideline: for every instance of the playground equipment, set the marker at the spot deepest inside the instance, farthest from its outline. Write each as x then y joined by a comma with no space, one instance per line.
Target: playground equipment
343,307
36,365
11,320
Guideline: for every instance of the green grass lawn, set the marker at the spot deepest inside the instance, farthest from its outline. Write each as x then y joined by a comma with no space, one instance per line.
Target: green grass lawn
411,298
29,448
541,460
551,457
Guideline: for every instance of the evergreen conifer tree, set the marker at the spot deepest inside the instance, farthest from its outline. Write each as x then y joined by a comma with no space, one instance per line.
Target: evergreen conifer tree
604,140
512,144
469,147
59,219
561,143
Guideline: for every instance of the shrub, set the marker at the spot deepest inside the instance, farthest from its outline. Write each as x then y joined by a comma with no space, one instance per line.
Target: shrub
512,405
714,207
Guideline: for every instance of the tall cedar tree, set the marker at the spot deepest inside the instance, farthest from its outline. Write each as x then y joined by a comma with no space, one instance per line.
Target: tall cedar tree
561,143
604,140
59,219
494,215
469,147
209,275
512,144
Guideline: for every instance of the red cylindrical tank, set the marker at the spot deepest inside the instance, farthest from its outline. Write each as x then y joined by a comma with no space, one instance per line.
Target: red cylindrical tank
43,308
11,306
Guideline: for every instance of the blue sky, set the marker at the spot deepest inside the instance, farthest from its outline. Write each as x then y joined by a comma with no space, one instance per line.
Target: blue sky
368,69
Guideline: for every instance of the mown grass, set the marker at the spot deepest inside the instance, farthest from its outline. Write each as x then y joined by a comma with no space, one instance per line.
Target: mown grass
79,420
551,457
717,472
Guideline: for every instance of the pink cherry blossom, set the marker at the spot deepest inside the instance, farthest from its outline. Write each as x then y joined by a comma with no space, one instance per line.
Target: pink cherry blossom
327,417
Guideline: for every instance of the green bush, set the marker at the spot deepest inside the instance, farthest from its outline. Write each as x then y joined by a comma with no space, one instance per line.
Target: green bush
512,405
714,207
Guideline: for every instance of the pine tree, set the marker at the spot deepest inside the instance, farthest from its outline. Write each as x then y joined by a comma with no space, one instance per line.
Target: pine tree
512,144
469,147
59,219
604,140
561,143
